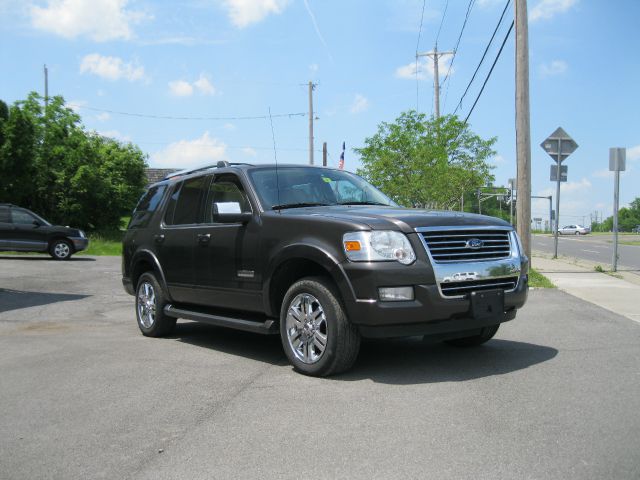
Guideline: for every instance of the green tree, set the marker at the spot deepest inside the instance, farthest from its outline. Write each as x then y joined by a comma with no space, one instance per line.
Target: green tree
628,218
51,164
427,162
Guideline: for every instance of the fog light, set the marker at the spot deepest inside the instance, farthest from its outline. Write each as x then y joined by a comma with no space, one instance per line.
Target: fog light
395,294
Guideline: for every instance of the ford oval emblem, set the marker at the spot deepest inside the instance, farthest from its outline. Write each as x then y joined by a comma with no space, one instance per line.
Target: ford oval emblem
474,243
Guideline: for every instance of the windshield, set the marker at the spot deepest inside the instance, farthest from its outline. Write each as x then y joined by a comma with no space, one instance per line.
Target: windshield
310,186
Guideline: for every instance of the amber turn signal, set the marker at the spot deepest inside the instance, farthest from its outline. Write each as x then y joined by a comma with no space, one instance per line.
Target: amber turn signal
352,246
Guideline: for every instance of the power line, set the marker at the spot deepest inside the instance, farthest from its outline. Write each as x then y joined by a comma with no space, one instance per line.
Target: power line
490,71
444,14
170,117
455,50
483,56
417,47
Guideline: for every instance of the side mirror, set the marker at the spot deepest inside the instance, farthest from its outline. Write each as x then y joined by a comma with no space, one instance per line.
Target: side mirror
36,223
229,212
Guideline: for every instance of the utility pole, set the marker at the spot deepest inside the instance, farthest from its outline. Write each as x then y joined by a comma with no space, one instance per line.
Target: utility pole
324,154
46,88
523,130
311,87
436,79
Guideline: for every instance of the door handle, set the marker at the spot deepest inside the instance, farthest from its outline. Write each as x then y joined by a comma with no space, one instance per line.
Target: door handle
203,238
158,238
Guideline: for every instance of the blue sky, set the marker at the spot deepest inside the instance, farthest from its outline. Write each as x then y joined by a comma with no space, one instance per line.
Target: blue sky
238,58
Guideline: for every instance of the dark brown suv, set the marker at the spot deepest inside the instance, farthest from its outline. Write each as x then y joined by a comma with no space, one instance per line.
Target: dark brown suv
318,256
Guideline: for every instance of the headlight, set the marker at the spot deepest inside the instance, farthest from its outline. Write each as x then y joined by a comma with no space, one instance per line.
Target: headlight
383,245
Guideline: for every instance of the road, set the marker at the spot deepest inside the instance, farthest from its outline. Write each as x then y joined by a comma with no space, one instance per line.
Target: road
84,395
594,248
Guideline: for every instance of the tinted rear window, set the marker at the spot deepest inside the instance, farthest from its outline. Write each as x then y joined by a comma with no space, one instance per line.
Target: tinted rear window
146,206
4,215
185,203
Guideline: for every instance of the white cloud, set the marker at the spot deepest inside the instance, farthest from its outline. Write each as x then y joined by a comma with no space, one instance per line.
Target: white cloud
604,173
190,153
498,160
111,68
229,126
489,3
547,9
182,88
204,85
250,152
556,67
103,117
76,105
115,134
568,187
360,104
425,65
245,12
100,20
633,153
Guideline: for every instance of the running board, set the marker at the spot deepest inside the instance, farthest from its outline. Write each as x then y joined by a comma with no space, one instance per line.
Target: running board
266,327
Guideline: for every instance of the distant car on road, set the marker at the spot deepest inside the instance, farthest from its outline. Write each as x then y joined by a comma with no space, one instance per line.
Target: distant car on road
23,231
574,230
636,229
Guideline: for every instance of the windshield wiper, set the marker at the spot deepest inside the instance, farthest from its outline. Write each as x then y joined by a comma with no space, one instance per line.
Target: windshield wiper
364,203
298,205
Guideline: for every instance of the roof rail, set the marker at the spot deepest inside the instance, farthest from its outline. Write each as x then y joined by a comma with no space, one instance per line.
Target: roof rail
219,164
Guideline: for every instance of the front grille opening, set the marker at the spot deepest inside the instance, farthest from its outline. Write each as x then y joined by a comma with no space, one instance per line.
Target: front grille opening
456,289
456,245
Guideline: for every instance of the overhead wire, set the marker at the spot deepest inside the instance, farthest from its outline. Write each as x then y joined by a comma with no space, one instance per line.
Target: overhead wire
424,2
490,72
483,56
171,117
444,14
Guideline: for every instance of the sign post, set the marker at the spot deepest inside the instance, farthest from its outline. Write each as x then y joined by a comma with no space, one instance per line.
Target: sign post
617,164
559,145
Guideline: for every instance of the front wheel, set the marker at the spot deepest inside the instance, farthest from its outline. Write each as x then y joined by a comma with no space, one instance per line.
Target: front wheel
577,232
485,335
316,334
61,249
150,303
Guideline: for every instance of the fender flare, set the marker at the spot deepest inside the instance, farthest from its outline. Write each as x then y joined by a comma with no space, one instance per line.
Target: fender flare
150,257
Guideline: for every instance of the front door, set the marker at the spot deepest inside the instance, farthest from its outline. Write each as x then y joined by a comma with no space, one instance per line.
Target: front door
29,234
226,253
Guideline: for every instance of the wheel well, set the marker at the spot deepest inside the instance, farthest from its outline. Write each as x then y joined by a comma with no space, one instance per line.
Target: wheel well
140,267
288,273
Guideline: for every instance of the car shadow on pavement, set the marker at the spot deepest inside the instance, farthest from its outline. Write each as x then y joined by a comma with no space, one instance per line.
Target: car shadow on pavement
43,257
412,360
395,361
17,299
263,348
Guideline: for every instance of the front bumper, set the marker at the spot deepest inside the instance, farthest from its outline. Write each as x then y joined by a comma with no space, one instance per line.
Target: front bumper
79,243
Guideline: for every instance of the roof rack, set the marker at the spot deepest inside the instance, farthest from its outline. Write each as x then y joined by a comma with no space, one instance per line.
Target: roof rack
219,164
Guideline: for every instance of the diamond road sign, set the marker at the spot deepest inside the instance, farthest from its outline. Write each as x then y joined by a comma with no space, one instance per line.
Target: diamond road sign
559,145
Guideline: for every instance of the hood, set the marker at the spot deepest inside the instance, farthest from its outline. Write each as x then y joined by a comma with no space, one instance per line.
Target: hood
395,218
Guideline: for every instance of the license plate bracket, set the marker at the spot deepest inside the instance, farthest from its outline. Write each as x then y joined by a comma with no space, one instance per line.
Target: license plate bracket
487,303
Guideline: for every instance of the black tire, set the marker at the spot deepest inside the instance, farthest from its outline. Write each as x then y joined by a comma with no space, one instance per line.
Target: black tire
61,249
158,324
577,232
342,339
485,335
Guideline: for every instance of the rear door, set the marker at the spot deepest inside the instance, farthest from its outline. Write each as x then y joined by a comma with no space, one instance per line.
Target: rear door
6,228
29,234
176,238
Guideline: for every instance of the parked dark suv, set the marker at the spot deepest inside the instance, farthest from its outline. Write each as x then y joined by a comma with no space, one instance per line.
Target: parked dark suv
320,257
22,230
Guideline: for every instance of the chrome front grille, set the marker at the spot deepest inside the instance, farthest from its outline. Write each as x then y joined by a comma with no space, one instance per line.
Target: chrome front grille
456,289
467,245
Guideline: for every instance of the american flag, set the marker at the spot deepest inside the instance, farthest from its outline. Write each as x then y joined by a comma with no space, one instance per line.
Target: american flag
341,162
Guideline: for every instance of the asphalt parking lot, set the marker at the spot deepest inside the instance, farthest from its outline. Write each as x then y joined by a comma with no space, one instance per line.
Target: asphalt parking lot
84,395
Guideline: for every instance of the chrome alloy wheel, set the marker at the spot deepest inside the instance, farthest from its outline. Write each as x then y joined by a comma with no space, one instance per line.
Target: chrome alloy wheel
306,327
61,250
146,305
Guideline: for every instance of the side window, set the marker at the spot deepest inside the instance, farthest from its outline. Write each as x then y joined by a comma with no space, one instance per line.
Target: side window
146,206
226,195
185,202
20,217
4,215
